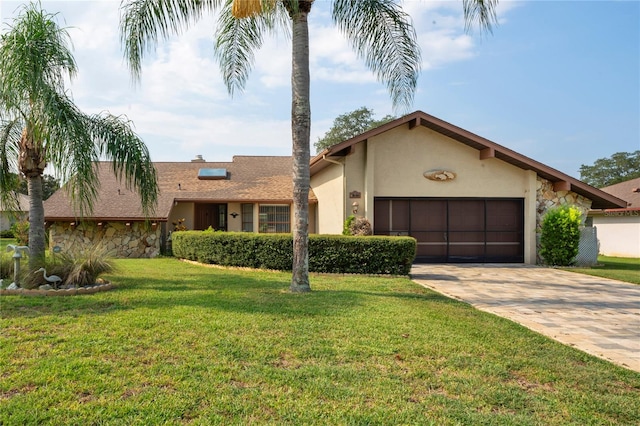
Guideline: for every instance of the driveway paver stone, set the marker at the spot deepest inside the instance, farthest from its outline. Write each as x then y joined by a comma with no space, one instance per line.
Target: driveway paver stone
596,315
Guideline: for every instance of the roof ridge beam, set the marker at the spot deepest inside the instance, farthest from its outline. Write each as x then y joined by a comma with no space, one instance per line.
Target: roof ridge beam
414,123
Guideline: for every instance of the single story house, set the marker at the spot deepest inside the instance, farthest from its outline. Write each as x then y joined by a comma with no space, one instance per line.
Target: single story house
463,197
249,194
10,216
618,229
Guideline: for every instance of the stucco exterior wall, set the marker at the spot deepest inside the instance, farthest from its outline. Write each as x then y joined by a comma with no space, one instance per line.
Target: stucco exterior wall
329,187
619,233
182,210
135,240
393,164
402,156
234,224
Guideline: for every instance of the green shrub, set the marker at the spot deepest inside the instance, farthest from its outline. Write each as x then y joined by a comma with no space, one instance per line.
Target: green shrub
327,253
21,232
7,233
560,235
346,228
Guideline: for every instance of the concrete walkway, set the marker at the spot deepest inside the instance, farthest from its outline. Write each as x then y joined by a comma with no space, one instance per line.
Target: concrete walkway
596,315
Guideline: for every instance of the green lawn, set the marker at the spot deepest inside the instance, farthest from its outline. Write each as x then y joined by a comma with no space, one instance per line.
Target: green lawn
4,242
177,343
616,268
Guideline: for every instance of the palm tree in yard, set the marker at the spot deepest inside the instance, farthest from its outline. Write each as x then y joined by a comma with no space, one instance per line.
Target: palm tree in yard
40,126
379,31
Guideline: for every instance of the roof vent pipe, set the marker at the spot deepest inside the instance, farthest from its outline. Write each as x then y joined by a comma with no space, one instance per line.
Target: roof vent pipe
198,159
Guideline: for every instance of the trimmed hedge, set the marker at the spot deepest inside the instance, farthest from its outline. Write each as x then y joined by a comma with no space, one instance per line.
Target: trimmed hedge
327,253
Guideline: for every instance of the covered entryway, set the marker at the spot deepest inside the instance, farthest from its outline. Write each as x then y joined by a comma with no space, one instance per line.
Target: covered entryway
207,214
456,230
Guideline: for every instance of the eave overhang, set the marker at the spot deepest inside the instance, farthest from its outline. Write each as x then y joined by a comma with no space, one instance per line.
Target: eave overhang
487,149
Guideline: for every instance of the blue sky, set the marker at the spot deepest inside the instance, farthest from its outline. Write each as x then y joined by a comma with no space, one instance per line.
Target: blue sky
558,81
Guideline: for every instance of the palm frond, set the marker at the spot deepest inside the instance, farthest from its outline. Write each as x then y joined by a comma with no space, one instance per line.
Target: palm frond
10,133
144,22
482,12
35,56
128,154
383,35
236,41
71,151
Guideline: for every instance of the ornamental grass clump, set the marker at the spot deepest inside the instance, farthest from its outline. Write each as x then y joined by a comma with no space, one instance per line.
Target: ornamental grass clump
81,268
560,235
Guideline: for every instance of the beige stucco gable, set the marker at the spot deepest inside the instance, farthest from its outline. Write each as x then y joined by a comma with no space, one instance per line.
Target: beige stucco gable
393,164
382,171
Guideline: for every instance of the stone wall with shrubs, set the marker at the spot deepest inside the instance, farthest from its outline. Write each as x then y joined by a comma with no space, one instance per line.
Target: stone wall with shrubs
547,198
136,240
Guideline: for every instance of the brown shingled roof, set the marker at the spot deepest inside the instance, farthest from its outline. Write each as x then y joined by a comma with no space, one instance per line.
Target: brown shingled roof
628,191
249,179
23,203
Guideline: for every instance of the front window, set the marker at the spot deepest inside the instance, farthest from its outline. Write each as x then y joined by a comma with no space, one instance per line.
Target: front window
275,219
247,218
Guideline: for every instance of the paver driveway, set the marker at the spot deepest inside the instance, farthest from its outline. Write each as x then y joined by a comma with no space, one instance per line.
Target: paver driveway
596,315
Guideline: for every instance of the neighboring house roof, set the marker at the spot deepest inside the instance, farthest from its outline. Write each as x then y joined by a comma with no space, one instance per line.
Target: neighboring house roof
628,191
486,148
249,179
23,203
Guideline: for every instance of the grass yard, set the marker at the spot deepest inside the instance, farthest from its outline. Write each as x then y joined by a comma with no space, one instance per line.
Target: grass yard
178,343
617,268
4,242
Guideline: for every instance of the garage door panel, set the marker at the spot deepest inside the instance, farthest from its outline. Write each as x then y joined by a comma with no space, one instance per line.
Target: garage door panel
466,215
381,213
456,230
429,215
504,215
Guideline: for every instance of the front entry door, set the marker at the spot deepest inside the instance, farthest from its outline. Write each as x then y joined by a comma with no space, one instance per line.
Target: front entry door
214,215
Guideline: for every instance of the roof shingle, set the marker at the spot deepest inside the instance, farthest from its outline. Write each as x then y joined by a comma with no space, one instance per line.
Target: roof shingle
249,179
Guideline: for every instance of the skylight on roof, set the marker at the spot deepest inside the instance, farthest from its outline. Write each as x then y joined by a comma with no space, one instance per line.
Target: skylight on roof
212,174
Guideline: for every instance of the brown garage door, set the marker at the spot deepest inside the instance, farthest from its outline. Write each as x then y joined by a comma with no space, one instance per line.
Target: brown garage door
456,229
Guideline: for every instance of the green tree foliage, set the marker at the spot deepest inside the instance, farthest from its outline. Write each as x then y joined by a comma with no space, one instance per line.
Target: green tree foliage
560,235
40,126
620,167
49,185
349,125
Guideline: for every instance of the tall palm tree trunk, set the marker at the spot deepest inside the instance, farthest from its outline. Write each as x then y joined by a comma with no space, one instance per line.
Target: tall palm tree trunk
301,129
36,223
32,165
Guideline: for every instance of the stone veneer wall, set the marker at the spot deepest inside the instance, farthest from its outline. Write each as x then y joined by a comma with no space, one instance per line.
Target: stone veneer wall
547,198
137,240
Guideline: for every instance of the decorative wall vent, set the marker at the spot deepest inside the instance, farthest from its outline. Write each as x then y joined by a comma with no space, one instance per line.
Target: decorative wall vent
439,175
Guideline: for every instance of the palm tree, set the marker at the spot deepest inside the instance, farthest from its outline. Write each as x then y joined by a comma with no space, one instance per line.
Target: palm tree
379,31
40,126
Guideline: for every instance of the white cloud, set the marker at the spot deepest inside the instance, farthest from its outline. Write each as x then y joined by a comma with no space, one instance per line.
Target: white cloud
181,106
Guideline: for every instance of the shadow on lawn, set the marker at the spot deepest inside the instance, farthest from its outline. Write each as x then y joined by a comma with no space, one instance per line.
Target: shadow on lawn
222,291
